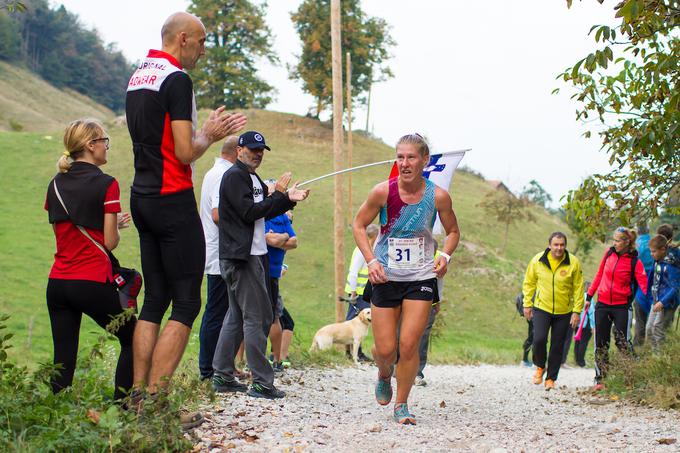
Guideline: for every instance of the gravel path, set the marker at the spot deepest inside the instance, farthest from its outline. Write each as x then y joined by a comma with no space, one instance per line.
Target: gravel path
463,408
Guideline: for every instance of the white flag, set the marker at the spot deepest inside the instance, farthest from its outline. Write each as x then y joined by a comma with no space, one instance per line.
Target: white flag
440,171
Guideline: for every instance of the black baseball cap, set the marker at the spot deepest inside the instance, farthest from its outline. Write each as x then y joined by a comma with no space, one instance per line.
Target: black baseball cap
252,140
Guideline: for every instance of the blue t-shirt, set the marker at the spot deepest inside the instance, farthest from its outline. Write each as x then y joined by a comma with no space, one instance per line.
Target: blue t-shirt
642,244
279,224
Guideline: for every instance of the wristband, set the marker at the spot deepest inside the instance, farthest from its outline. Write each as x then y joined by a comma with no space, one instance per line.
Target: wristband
589,298
445,255
373,261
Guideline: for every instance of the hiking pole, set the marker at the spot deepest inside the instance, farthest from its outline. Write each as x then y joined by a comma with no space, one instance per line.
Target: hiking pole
577,337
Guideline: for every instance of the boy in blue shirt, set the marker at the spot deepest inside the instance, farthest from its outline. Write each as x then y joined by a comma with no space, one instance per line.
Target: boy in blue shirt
663,289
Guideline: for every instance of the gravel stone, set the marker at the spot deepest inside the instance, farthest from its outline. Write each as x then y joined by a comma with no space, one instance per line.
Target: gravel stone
463,408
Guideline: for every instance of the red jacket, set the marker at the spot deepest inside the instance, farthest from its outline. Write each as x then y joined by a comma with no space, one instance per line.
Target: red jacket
613,279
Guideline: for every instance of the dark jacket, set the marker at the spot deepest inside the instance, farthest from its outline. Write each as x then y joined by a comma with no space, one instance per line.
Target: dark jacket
664,283
238,211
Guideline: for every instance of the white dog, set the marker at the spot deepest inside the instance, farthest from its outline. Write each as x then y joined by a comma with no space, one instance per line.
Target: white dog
348,332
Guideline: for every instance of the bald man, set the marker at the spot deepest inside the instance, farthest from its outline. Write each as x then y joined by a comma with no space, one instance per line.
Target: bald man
218,302
161,117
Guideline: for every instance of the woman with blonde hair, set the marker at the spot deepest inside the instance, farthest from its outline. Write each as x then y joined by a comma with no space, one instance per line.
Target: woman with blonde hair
615,282
83,206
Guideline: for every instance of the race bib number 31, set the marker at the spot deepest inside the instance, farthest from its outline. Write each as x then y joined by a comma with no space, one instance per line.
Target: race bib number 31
406,253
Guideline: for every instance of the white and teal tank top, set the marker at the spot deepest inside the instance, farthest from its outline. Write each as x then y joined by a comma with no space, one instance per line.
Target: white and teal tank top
405,246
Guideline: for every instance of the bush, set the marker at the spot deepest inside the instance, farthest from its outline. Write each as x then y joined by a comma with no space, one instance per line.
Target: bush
652,379
84,417
15,125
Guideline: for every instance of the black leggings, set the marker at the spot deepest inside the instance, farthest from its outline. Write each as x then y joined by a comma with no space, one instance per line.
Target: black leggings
605,316
172,248
558,326
67,300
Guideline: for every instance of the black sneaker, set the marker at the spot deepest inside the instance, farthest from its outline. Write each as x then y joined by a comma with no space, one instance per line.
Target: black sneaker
224,385
278,367
260,391
363,358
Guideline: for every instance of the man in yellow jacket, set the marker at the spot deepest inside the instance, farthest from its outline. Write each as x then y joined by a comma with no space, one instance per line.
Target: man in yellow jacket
555,278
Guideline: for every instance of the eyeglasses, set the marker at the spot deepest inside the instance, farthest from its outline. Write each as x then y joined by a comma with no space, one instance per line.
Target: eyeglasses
103,139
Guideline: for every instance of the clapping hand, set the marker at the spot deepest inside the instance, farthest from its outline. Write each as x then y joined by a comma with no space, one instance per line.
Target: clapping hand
220,124
282,182
295,194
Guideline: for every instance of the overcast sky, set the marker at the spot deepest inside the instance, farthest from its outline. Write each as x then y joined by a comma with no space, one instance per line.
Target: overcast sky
468,74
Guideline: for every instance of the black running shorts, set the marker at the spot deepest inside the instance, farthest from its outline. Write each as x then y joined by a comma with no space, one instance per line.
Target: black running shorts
391,294
172,249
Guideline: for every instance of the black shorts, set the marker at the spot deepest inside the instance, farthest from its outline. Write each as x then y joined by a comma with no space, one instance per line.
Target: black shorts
392,294
172,249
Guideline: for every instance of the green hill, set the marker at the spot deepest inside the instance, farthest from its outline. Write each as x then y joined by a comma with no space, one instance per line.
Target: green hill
479,323
29,103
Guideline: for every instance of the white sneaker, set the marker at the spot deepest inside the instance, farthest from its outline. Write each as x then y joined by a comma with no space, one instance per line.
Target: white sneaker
420,381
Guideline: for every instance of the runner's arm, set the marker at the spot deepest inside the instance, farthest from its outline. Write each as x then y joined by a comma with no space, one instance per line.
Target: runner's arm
449,221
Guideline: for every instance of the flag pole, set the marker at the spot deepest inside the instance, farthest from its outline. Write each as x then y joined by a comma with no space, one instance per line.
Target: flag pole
388,161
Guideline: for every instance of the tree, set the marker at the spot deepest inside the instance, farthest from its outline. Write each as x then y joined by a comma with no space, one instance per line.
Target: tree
366,38
629,85
237,36
535,193
507,209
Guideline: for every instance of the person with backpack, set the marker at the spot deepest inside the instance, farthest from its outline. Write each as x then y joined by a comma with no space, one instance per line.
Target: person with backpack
619,275
641,303
662,287
83,206
526,346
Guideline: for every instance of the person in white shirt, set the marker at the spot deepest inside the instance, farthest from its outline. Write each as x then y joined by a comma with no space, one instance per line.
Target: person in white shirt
217,301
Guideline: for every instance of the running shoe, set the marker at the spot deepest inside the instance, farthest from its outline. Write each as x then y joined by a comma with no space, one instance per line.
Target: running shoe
538,375
549,384
526,363
285,363
598,387
383,389
420,381
226,385
257,390
402,415
277,367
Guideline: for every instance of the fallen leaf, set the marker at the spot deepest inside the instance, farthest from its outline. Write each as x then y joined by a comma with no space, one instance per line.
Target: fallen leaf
93,416
376,429
442,404
667,441
287,434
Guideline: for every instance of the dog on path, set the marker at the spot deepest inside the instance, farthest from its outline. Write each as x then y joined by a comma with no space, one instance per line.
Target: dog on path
348,332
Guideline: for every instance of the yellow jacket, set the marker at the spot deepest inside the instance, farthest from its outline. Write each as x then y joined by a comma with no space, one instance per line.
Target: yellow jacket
558,292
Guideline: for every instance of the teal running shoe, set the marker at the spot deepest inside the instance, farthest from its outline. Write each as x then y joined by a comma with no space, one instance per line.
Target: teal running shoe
383,389
402,415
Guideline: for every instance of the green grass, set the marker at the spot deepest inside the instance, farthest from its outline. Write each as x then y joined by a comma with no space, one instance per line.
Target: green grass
29,103
479,322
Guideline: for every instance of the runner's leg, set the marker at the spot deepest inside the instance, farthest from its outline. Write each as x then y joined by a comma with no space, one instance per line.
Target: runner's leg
414,317
384,322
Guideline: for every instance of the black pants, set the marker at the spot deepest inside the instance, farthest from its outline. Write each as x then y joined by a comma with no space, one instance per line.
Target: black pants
172,248
580,346
526,347
605,317
558,326
567,344
67,300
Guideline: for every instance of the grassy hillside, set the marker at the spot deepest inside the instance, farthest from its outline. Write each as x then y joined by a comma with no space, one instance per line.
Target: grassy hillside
479,322
29,103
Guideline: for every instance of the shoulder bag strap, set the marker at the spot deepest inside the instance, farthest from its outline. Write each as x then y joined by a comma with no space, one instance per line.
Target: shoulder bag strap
82,230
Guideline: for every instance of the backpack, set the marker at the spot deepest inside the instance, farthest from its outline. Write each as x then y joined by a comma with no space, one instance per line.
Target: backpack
633,281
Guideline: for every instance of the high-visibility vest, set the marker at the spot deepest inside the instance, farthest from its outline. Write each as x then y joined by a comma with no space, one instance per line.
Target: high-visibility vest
362,278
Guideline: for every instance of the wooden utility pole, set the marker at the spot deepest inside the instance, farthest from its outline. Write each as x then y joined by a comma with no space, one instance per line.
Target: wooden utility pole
368,105
338,217
348,75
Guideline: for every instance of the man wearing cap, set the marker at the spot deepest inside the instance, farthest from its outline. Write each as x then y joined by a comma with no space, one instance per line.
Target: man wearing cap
244,204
